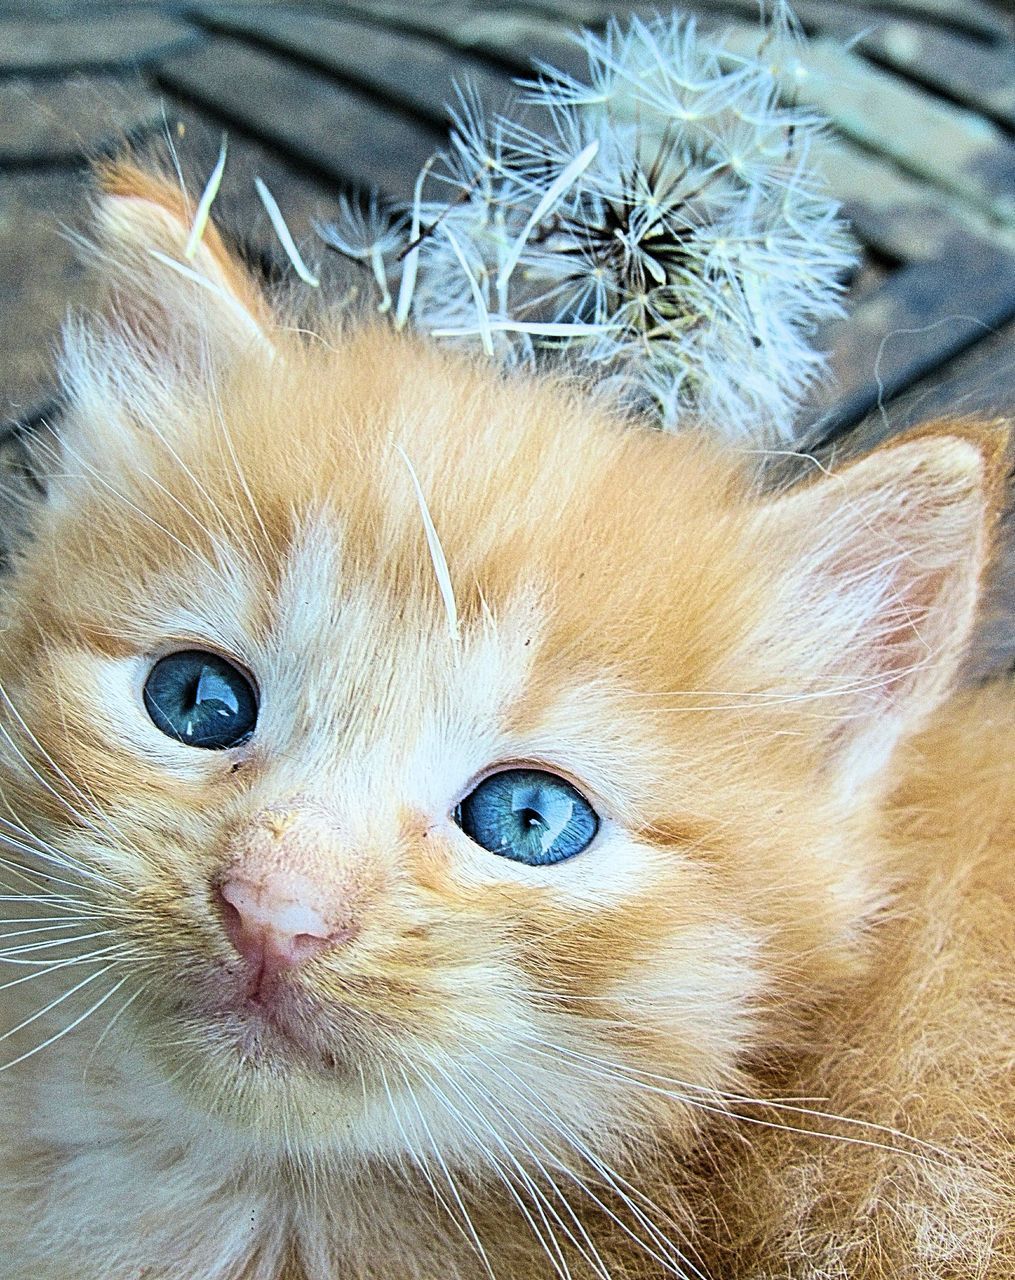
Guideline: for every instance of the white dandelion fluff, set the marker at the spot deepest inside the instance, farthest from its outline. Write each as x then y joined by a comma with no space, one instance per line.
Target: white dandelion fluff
659,224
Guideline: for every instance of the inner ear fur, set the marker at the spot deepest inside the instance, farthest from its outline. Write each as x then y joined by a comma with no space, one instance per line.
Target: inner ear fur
876,574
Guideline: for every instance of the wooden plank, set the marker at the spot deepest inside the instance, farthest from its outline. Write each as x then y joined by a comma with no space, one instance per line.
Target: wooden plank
104,40
984,20
925,314
938,142
512,38
973,17
334,131
46,122
409,71
981,381
40,275
992,650
978,75
19,489
55,10
892,210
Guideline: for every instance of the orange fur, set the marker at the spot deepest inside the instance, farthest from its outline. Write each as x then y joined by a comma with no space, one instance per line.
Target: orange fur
761,1028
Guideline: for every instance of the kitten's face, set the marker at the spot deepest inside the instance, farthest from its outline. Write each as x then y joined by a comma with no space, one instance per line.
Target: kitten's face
623,671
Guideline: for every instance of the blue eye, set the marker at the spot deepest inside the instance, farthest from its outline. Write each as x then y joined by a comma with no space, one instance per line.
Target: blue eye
529,816
201,700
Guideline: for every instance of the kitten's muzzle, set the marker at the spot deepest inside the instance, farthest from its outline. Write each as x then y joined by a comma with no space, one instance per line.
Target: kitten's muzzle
272,924
283,901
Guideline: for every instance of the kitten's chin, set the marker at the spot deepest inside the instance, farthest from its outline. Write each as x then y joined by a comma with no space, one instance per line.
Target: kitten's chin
265,1031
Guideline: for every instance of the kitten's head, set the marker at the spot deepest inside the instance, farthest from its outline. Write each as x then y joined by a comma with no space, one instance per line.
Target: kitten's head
418,753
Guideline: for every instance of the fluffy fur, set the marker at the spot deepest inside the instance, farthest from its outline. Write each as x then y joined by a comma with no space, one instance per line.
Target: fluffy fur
762,1027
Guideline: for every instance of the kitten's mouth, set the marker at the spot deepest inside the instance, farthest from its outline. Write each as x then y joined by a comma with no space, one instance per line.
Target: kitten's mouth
269,1017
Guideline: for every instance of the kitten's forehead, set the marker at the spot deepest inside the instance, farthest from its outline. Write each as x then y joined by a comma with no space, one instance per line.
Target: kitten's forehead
372,701
361,679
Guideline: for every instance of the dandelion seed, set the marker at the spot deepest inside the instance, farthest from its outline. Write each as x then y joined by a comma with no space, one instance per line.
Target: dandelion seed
410,259
482,311
549,198
285,235
370,235
204,205
433,542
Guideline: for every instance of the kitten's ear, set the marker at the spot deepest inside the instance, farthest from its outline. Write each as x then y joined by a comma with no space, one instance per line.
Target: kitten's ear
169,303
877,574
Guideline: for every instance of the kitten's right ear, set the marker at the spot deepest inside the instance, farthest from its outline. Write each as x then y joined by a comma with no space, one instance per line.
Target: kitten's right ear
875,578
171,305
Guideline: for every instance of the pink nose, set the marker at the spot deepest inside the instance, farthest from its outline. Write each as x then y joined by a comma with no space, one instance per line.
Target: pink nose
273,923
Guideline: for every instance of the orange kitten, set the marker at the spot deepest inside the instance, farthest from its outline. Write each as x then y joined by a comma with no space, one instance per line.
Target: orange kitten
449,833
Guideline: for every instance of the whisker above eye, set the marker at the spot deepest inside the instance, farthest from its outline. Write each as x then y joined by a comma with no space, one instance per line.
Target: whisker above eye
148,519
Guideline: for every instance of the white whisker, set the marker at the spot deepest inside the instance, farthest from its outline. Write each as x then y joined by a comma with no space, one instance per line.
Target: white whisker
43,968
6,953
720,1103
555,1256
619,1185
64,1031
58,1000
112,1023
452,1185
539,1196
419,1159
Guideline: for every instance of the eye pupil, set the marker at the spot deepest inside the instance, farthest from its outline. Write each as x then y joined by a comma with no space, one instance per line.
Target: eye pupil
201,700
528,815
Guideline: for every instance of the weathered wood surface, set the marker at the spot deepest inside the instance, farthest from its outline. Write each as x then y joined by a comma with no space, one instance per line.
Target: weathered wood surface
100,40
60,121
344,95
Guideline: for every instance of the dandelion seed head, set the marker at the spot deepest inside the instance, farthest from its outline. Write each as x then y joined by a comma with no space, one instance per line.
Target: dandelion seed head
657,223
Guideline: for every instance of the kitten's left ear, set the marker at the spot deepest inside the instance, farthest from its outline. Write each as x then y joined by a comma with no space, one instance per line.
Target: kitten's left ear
876,575
172,304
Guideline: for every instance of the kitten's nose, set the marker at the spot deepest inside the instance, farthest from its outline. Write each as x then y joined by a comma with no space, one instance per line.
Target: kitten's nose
272,923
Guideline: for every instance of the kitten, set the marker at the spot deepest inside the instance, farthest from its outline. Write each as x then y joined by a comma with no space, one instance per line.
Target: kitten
450,833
